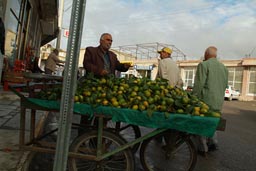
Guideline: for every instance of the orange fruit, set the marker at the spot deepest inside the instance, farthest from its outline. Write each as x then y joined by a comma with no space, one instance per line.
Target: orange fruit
133,94
215,114
150,100
76,98
147,93
103,80
99,88
103,95
203,110
115,103
135,107
180,111
121,88
196,113
197,109
142,107
145,103
105,102
136,88
185,100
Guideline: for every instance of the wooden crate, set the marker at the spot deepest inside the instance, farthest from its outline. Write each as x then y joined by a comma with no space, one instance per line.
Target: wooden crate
11,78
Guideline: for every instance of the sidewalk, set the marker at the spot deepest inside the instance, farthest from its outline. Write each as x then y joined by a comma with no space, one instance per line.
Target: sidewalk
10,154
11,157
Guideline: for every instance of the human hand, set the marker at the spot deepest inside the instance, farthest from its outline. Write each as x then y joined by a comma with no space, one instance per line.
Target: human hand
103,72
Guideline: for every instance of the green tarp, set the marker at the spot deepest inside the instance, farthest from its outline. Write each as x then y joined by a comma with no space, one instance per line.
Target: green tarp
204,126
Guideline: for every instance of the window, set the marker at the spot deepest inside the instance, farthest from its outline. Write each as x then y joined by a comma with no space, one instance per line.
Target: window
189,75
235,77
11,25
145,73
252,82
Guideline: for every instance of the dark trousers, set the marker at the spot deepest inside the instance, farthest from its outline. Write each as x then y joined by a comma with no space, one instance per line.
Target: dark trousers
48,71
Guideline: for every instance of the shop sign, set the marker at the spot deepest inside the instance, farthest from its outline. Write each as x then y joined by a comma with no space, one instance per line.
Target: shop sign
143,67
66,33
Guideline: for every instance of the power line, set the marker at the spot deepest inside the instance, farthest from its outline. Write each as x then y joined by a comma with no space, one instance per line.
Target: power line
250,54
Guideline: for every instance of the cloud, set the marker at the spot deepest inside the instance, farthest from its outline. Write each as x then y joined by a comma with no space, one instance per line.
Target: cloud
191,26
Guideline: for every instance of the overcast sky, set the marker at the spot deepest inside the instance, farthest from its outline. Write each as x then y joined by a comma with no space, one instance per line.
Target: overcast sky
190,25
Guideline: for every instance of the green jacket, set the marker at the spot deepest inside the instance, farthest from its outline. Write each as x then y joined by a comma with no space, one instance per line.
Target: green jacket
210,83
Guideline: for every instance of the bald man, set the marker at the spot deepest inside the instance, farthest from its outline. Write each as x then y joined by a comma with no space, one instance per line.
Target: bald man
210,84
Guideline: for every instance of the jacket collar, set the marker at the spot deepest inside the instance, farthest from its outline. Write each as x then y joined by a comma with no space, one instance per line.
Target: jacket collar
101,50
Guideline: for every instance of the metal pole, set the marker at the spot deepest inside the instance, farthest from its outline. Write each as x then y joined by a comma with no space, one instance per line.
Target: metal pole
20,31
69,84
60,23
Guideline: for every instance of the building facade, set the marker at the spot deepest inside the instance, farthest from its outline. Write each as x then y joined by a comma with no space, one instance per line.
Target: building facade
242,75
29,24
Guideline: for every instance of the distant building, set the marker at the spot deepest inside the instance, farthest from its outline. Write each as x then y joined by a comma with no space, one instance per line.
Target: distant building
242,75
29,24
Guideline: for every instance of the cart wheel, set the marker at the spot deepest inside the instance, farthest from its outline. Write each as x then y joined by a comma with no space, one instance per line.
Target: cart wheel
87,145
155,155
127,131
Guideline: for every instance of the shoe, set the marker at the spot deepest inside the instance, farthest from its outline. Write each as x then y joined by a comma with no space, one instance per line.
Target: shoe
202,153
212,147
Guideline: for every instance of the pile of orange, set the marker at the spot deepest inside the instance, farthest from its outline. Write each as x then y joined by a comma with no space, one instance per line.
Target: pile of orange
140,94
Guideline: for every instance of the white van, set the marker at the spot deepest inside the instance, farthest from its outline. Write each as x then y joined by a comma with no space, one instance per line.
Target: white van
231,93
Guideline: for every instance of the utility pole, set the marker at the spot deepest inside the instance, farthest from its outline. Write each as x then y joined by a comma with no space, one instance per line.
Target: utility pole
60,24
69,85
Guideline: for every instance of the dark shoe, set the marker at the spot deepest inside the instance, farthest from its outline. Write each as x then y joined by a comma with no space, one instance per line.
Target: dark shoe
212,147
203,154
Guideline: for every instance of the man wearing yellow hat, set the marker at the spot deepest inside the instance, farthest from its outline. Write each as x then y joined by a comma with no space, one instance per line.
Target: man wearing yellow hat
168,69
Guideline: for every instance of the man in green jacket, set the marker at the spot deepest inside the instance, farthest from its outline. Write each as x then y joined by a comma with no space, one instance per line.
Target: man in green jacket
210,84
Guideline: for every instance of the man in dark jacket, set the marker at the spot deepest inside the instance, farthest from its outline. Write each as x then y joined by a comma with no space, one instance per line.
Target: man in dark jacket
100,61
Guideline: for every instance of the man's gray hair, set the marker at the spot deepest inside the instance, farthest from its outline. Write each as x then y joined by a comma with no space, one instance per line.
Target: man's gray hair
104,34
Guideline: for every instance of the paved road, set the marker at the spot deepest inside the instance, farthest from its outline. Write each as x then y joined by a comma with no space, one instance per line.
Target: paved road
237,144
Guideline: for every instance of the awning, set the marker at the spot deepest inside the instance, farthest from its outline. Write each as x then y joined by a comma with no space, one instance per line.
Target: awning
48,20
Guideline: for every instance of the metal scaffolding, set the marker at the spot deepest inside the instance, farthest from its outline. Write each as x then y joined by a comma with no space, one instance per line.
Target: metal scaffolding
148,51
